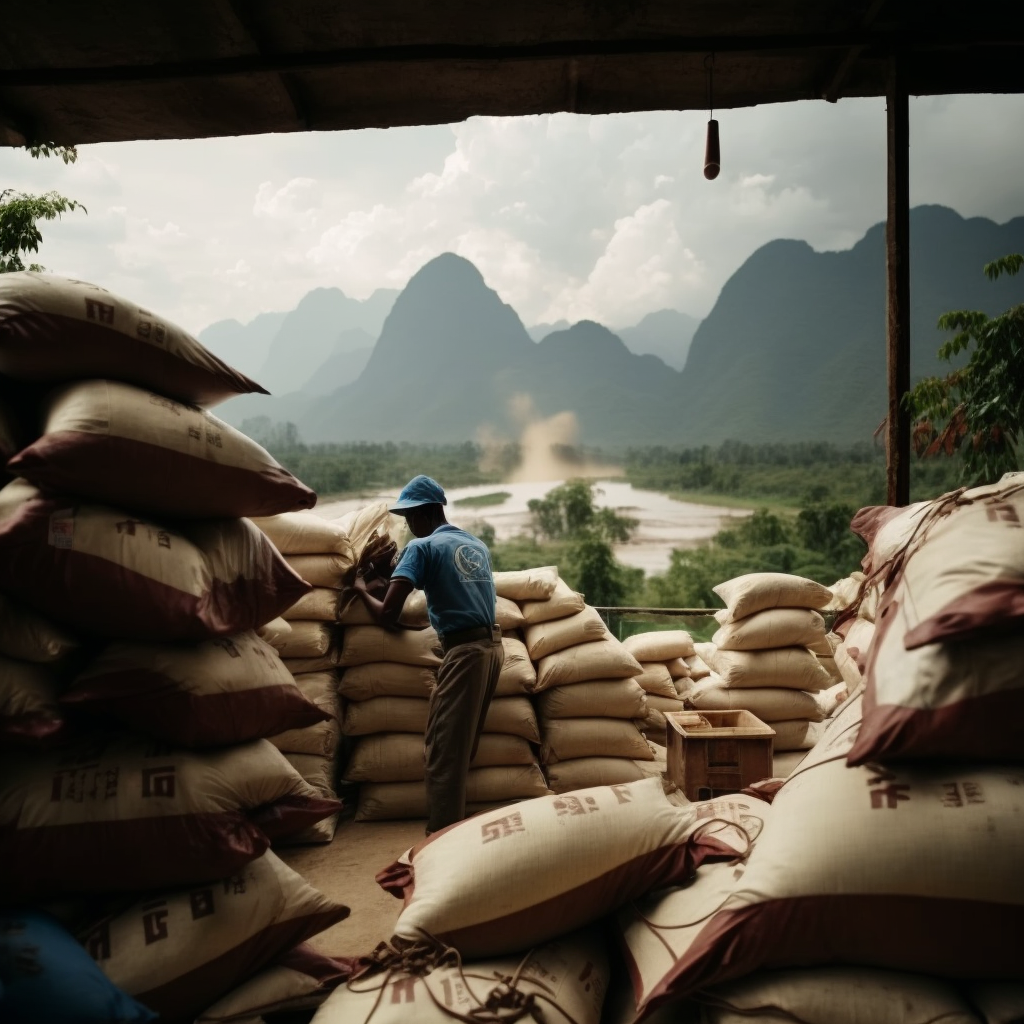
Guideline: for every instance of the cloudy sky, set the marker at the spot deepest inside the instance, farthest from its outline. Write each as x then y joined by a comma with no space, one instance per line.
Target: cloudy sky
566,216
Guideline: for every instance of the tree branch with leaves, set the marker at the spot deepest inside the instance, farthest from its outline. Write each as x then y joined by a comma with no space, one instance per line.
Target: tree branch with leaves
978,409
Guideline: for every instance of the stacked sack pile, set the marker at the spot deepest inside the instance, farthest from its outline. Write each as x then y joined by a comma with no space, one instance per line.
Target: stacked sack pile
892,855
135,769
763,659
327,554
387,681
588,701
666,677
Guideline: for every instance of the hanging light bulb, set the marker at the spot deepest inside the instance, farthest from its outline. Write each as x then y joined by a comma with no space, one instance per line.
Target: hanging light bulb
712,149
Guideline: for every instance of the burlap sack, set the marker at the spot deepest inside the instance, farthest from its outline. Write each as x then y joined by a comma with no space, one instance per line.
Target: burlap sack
315,769
756,591
517,672
793,667
527,584
56,329
476,885
835,995
603,659
321,604
386,679
30,714
600,698
300,979
212,694
320,689
656,679
398,756
853,653
565,981
178,951
29,637
275,632
364,644
512,715
118,445
585,772
998,1002
661,645
306,533
677,668
698,669
665,704
568,738
773,627
796,734
309,639
548,637
318,663
770,704
952,701
872,866
110,574
562,601
414,612
389,801
125,813
323,570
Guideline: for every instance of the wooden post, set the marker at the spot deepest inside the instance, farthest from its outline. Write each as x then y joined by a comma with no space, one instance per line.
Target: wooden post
897,265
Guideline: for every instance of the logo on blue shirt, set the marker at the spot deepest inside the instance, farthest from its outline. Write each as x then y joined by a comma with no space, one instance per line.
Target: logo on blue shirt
471,564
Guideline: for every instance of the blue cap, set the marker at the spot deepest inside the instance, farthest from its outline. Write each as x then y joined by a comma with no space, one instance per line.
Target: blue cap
420,490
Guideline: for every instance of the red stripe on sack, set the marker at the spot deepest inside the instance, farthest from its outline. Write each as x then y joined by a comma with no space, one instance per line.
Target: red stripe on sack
141,853
150,478
30,729
48,347
940,937
291,814
669,865
188,995
156,705
981,611
328,971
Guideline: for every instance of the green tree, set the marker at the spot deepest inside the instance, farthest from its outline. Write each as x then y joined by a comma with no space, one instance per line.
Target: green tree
977,410
20,213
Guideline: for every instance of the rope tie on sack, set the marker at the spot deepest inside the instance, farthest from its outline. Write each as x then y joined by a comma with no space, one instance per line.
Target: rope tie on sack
505,1003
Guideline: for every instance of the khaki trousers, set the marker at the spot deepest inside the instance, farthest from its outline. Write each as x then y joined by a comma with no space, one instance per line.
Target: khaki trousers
466,682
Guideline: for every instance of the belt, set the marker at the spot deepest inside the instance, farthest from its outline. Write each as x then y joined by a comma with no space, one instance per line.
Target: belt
465,636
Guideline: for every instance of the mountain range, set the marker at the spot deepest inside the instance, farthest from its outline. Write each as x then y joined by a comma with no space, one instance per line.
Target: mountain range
794,349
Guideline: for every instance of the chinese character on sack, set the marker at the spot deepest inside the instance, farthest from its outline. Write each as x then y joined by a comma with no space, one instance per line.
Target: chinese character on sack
101,312
97,941
574,805
158,781
163,539
1003,512
622,794
235,885
956,794
202,903
228,646
213,437
154,921
195,434
127,526
887,792
404,990
502,828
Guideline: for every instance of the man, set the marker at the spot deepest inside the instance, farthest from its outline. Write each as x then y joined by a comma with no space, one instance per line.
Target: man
453,569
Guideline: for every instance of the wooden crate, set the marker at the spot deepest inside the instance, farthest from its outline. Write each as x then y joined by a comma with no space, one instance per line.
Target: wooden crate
711,753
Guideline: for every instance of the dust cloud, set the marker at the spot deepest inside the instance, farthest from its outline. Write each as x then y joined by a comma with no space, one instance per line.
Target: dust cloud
549,447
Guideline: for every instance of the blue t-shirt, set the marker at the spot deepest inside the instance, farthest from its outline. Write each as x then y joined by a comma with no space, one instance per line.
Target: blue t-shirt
453,569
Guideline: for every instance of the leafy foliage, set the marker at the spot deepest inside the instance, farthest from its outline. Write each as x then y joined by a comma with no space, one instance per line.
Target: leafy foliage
976,411
20,213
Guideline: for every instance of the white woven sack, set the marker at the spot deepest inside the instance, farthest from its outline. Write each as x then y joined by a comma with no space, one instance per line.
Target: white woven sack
161,949
796,734
835,995
877,866
527,584
567,980
656,679
388,801
770,704
29,708
755,591
386,679
585,772
600,698
29,637
660,645
548,637
562,601
399,756
477,885
603,659
794,667
566,738
363,644
320,604
773,627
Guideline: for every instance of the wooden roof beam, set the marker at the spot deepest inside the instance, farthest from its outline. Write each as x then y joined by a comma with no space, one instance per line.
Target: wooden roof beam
833,90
